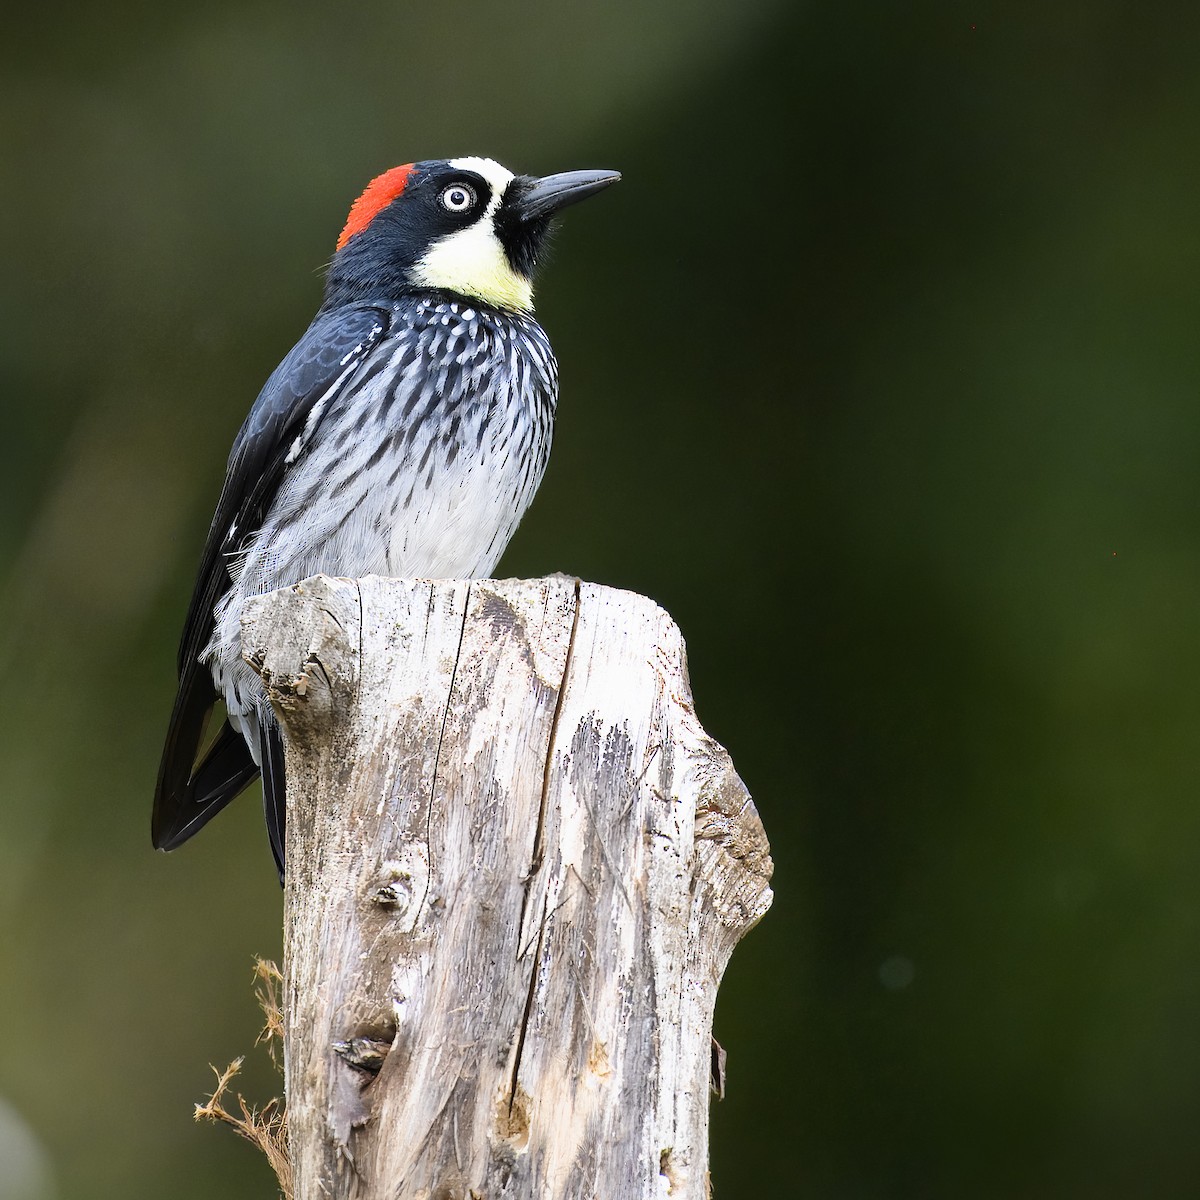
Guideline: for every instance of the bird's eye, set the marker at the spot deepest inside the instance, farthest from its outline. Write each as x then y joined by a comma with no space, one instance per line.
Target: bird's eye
458,198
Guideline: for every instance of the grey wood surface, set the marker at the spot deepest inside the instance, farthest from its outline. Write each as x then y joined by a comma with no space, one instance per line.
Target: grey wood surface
517,867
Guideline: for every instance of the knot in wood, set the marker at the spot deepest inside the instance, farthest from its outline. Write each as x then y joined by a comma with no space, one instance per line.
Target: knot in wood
303,642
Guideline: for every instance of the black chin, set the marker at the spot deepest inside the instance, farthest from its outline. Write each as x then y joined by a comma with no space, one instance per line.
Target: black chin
523,219
523,241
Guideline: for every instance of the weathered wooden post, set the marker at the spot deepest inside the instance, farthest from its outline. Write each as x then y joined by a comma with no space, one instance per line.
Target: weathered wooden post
517,869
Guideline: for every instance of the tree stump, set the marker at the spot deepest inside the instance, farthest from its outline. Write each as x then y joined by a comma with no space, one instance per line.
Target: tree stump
517,867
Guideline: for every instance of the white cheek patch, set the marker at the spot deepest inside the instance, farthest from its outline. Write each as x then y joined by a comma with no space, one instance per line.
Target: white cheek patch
472,261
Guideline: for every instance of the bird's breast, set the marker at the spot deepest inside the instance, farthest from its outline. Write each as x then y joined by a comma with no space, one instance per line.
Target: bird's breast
426,460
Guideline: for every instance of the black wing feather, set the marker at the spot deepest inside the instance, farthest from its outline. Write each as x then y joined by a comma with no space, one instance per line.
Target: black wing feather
333,347
334,342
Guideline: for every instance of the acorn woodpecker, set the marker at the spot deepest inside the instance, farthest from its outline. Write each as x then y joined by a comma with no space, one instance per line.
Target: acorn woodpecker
404,434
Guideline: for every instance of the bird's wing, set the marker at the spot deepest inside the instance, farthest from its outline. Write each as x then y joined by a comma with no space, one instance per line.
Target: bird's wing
279,425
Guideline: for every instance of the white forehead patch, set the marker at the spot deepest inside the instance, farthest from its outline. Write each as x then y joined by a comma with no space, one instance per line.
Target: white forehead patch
498,177
472,262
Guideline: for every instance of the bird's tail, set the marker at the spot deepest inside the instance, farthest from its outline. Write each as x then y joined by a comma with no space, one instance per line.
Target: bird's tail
188,796
270,748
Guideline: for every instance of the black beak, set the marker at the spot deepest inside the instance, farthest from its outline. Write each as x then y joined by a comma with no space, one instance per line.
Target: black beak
542,198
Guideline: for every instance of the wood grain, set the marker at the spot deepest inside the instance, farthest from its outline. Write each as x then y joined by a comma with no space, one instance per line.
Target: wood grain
517,867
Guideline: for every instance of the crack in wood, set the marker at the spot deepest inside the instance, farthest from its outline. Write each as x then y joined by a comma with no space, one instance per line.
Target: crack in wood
437,757
513,1083
535,862
523,951
333,616
314,662
359,659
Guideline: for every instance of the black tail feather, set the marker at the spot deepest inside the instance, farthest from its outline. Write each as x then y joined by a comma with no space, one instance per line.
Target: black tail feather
227,768
270,742
185,800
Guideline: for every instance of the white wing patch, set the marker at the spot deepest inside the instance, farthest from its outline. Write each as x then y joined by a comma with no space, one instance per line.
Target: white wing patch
314,415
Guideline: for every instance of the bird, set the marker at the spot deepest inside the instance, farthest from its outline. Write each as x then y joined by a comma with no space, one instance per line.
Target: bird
403,435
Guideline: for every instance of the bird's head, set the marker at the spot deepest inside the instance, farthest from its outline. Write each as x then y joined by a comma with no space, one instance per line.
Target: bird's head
464,225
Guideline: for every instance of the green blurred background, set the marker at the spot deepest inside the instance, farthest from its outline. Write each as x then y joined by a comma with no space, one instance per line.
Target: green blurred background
879,372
